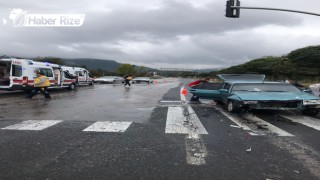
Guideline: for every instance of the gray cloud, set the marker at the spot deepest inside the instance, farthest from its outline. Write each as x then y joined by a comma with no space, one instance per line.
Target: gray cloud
159,33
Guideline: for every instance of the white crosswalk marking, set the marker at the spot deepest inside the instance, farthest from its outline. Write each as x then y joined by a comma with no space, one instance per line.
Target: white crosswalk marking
183,120
33,125
234,118
239,121
305,120
270,127
108,126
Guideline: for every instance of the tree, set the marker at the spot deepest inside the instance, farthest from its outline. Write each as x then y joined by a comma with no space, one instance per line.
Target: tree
306,62
306,57
126,69
141,71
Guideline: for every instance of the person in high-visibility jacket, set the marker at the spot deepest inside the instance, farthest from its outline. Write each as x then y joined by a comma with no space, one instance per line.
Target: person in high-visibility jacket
41,83
127,79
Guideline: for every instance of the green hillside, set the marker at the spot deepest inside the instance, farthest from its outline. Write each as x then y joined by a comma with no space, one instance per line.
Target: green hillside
106,65
300,65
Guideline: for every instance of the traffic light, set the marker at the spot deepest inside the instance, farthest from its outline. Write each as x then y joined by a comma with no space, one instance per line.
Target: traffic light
230,11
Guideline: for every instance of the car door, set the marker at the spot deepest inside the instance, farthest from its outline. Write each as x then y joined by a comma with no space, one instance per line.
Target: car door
118,79
225,92
207,90
86,75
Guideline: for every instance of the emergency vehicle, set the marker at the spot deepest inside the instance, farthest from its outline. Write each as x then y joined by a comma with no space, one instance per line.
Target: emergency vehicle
81,75
19,74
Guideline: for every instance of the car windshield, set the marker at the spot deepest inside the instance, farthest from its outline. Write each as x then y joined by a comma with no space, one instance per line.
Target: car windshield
265,87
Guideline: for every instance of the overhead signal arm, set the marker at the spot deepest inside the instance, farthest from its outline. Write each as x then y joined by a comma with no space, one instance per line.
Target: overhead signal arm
233,9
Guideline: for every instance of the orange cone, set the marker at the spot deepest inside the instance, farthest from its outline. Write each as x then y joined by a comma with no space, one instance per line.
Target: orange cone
184,91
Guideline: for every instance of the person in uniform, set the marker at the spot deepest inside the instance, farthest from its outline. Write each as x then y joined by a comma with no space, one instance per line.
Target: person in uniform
41,83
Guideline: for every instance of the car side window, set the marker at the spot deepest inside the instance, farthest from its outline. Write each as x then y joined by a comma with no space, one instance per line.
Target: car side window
227,86
46,72
212,86
67,75
199,86
80,73
16,71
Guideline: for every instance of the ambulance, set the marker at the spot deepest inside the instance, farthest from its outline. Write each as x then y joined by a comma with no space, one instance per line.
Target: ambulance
82,76
19,74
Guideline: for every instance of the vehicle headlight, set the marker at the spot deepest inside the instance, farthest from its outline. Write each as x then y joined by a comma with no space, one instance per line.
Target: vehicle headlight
313,101
250,102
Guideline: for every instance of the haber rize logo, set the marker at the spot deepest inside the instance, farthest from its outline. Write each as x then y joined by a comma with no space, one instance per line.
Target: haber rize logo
20,18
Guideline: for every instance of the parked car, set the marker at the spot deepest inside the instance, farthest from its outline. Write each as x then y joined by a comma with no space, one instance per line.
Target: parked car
142,80
245,92
109,79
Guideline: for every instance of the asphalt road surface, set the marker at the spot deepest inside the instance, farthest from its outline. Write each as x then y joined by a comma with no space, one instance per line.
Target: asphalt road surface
150,132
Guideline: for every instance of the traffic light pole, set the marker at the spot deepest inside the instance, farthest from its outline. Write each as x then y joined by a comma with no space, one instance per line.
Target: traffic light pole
275,9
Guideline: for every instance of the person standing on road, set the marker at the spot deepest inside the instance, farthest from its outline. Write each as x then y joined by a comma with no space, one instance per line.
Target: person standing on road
41,83
127,79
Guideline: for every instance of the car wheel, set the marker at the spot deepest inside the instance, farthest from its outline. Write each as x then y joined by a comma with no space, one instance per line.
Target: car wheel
72,86
194,98
91,83
232,108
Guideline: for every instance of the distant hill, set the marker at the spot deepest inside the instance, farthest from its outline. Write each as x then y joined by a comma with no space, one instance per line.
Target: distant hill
107,65
207,70
301,64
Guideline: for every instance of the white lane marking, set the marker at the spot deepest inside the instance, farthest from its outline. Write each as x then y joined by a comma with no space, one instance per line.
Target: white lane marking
195,149
33,125
305,120
183,120
269,126
22,124
108,126
170,101
237,120
234,118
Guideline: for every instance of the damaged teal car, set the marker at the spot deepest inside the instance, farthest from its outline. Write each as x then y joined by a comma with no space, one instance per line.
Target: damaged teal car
249,91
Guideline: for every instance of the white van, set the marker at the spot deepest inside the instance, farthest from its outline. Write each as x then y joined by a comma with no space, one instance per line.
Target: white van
81,74
19,74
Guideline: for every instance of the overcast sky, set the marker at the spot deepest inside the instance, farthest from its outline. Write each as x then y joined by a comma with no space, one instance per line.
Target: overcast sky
163,33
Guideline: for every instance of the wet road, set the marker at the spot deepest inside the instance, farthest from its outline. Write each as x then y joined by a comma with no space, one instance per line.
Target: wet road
98,103
150,132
